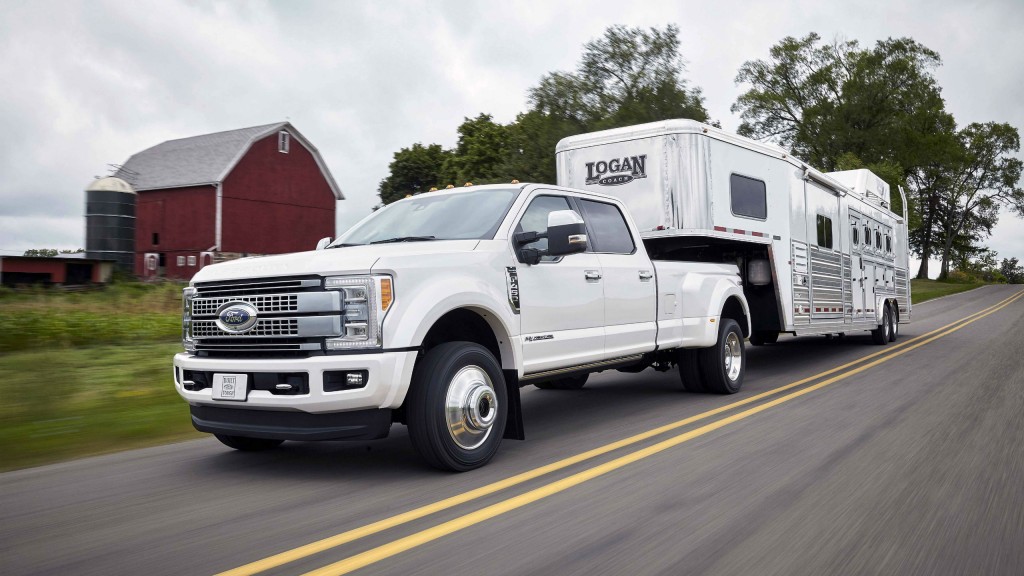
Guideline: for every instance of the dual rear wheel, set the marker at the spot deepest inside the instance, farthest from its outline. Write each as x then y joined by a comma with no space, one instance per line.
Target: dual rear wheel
716,369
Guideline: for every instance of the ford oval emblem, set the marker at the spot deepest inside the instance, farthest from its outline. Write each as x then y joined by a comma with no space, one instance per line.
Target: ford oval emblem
237,317
615,180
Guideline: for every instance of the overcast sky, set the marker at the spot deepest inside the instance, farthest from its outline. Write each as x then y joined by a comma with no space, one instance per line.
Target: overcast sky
90,83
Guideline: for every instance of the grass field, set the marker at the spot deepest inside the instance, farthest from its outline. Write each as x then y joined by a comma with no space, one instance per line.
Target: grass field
71,402
921,290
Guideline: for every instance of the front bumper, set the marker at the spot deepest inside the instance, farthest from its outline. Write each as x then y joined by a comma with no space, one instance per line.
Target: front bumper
389,374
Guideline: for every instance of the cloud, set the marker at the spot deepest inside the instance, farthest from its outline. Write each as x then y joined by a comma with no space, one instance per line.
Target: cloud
98,81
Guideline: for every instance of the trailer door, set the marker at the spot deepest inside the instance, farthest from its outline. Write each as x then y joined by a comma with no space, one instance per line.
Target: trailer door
857,243
826,261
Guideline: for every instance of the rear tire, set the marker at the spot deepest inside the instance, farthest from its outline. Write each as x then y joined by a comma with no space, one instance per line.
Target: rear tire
457,406
689,370
246,444
724,364
880,335
894,325
567,383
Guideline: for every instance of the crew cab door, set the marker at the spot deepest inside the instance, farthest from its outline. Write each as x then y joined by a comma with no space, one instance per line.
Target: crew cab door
561,299
630,289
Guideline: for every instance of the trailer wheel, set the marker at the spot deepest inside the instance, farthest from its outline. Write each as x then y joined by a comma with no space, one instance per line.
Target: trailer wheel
894,325
762,338
690,374
456,407
723,364
880,335
246,444
567,383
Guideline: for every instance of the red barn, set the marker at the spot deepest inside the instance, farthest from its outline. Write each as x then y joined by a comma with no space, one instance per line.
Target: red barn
259,190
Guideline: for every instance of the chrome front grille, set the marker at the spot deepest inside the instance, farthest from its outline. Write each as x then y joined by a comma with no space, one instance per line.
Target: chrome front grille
264,328
268,304
294,315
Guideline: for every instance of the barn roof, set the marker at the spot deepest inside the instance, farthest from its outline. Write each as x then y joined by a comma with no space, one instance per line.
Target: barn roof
206,159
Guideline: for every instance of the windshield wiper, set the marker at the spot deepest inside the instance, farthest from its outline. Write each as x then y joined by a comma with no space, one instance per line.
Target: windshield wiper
343,245
404,239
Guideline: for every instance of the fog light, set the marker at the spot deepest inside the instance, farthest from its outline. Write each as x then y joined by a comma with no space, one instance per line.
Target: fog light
338,380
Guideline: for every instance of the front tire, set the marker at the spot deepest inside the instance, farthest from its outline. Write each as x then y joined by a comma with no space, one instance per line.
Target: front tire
724,364
246,444
457,406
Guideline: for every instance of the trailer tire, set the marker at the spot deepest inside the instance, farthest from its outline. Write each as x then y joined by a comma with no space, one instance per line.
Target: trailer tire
457,406
246,444
723,364
762,338
567,383
880,335
894,325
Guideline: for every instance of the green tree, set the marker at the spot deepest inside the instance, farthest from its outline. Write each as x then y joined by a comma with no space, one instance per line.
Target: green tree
41,252
414,169
881,106
628,76
481,153
1012,270
984,178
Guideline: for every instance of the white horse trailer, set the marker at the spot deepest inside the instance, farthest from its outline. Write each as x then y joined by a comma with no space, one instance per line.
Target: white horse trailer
820,253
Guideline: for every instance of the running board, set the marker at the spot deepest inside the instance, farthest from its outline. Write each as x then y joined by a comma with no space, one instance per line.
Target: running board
583,367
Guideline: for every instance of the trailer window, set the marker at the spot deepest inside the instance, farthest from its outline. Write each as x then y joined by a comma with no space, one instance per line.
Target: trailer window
888,243
856,236
878,239
608,228
824,231
749,198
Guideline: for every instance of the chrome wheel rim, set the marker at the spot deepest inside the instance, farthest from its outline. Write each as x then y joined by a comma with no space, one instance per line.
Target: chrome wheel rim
732,356
471,407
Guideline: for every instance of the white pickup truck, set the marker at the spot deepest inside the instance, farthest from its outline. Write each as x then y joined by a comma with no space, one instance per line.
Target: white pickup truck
435,310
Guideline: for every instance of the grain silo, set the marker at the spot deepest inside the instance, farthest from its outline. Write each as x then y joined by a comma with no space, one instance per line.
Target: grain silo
110,221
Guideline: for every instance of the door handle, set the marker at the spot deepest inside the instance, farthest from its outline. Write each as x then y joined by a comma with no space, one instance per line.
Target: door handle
592,275
645,275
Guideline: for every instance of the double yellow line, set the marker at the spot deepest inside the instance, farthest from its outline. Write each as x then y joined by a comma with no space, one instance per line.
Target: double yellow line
374,555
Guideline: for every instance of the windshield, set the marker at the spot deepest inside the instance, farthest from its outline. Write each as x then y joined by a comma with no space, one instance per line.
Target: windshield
464,215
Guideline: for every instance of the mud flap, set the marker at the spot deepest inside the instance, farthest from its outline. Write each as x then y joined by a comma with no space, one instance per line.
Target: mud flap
514,429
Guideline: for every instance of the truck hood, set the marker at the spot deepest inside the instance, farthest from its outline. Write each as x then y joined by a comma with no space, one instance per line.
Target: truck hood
331,261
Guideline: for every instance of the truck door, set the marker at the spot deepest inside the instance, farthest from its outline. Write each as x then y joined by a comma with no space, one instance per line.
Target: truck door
561,299
630,289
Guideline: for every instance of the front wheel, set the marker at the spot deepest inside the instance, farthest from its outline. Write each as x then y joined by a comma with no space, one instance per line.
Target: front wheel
723,364
246,444
456,407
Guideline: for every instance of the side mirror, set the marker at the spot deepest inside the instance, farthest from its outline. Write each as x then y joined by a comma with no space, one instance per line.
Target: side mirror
566,233
323,243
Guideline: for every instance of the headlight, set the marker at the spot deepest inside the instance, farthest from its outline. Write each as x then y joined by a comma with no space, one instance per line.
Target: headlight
364,302
186,319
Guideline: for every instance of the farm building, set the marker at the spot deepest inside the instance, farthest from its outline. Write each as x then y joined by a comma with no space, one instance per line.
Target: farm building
258,190
64,269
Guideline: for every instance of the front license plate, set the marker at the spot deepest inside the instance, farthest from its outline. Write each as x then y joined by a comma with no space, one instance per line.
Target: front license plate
230,387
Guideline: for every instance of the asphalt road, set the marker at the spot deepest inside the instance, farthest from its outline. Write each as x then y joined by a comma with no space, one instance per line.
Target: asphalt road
909,462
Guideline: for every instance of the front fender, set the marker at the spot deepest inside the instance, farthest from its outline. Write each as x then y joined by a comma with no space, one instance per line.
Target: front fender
417,309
